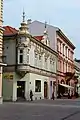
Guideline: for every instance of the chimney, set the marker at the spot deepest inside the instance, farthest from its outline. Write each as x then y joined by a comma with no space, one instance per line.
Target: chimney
29,21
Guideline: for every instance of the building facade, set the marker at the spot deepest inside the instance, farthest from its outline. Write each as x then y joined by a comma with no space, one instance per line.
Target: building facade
61,44
31,65
1,47
77,74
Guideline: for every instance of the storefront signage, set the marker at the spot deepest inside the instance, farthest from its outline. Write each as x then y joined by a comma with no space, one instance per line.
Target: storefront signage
8,76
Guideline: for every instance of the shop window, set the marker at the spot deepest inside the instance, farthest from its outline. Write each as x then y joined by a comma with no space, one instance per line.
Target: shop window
37,86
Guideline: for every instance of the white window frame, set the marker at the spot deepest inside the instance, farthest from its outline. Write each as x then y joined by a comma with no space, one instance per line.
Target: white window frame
40,61
20,55
35,58
28,56
46,64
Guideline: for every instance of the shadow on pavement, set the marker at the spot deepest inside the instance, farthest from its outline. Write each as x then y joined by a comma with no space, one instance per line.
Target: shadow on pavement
70,115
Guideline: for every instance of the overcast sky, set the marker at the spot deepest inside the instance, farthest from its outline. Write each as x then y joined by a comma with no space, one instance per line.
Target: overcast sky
64,14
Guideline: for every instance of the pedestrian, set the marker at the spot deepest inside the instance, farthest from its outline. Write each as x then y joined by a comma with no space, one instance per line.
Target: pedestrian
53,95
68,96
31,95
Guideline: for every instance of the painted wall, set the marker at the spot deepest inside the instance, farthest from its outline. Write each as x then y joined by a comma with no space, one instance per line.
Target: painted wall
29,79
34,77
18,78
10,86
7,87
10,51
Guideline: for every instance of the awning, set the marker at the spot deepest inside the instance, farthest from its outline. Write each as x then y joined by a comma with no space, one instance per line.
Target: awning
67,86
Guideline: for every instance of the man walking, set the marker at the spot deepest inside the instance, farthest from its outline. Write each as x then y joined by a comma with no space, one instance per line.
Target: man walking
31,95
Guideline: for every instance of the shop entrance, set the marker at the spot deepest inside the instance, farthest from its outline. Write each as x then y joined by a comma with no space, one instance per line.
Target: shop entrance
20,89
45,90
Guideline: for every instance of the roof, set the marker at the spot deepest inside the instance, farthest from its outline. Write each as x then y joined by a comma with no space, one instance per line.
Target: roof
8,31
38,37
66,38
39,26
77,65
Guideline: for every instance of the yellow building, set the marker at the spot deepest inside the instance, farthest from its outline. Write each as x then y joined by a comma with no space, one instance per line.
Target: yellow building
1,42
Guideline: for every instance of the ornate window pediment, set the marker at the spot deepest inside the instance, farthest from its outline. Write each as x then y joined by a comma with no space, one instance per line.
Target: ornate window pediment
24,42
47,54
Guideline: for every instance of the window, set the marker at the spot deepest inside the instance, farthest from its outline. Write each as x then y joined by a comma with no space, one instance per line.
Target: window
36,58
40,61
28,56
63,66
50,64
21,56
45,63
21,51
63,49
37,86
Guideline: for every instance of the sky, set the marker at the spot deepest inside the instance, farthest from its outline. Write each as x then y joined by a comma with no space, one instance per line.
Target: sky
64,14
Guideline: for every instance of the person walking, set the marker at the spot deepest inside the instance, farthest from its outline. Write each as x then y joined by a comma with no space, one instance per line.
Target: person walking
53,95
31,95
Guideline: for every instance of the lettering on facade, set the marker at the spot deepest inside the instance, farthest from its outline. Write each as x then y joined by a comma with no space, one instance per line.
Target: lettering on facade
8,76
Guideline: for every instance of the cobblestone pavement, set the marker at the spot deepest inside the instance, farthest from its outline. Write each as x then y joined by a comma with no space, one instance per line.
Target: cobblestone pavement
41,110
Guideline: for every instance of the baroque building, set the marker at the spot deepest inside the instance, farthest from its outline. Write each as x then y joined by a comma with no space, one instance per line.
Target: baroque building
31,64
60,43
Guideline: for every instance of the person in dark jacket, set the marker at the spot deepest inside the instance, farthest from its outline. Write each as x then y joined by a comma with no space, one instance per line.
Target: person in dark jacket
31,95
53,96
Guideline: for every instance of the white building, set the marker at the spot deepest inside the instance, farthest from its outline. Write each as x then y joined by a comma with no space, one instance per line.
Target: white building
31,65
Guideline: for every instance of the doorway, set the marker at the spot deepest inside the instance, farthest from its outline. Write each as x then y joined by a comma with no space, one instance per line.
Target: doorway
21,89
45,90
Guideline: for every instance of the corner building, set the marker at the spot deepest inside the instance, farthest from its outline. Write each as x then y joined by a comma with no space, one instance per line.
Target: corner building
31,64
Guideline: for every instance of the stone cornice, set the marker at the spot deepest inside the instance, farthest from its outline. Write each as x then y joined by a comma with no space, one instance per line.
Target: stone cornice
32,69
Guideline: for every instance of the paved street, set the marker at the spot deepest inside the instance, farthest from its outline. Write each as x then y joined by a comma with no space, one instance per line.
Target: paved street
41,110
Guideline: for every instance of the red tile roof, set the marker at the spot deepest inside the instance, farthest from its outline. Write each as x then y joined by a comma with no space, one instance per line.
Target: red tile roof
38,37
8,30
